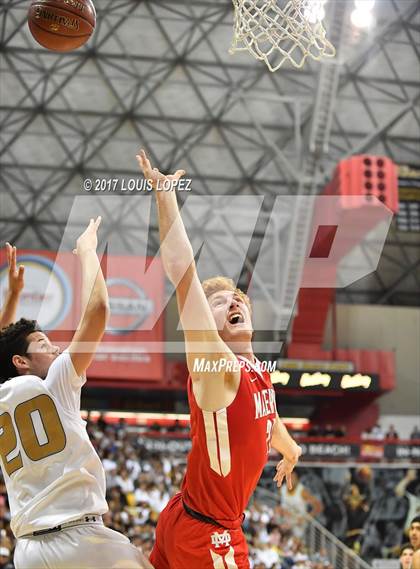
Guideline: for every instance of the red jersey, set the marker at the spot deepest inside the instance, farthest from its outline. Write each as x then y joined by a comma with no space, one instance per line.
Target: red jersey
230,448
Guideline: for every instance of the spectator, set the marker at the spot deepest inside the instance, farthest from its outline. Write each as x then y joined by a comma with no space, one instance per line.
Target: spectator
174,427
124,481
414,533
158,497
121,426
141,494
363,478
378,432
406,556
366,434
266,555
415,434
313,431
299,499
392,433
133,464
357,513
341,431
407,488
329,431
101,423
107,461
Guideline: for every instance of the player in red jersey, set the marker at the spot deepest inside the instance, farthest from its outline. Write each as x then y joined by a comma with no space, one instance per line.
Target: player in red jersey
234,419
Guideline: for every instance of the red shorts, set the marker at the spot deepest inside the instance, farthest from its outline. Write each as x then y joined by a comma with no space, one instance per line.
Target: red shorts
182,542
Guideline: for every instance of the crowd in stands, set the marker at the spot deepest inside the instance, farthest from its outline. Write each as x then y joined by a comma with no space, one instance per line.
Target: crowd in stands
140,483
319,431
327,431
367,509
377,433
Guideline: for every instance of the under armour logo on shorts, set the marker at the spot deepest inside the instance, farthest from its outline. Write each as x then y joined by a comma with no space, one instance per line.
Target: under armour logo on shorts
221,539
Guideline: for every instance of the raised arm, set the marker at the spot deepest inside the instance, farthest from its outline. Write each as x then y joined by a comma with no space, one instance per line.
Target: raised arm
16,283
95,307
401,487
213,390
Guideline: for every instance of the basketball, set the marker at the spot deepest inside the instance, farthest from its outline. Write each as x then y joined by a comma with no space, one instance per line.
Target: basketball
62,25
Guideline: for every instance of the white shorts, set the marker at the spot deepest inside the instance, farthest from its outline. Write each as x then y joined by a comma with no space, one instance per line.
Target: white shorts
88,546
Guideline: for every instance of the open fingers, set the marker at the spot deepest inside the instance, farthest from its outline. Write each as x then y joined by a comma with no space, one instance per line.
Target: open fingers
144,162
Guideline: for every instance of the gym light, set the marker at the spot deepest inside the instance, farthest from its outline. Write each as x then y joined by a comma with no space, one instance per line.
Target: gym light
362,15
361,18
314,11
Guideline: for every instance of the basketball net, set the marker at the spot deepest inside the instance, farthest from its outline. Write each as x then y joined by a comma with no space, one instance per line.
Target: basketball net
275,35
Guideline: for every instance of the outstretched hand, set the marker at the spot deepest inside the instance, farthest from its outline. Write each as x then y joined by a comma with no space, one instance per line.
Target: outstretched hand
88,241
16,282
284,470
158,180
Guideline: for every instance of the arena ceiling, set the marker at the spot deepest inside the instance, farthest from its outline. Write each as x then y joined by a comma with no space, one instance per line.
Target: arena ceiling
157,73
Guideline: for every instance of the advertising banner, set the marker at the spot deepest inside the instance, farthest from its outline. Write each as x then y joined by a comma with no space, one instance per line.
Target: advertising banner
52,296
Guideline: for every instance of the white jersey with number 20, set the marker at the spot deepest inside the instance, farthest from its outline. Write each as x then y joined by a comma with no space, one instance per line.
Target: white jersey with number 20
52,472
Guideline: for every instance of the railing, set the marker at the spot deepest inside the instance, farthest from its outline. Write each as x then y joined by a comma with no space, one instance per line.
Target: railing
317,539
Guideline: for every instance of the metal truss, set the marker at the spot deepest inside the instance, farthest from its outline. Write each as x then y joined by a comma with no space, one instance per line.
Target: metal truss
157,73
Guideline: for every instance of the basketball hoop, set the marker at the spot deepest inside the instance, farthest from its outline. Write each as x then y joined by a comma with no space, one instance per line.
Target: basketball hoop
275,35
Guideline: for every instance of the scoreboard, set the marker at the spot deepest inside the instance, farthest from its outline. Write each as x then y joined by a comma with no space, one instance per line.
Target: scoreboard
408,218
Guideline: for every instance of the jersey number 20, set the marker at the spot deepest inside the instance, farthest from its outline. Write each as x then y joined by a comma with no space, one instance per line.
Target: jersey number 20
36,445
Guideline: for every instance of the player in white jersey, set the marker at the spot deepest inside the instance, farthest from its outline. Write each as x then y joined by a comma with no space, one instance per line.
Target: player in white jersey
54,478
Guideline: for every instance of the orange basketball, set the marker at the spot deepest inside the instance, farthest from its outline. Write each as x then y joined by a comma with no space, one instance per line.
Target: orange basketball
62,25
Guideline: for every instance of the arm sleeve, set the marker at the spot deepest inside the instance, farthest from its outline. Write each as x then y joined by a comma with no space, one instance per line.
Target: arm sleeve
63,382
